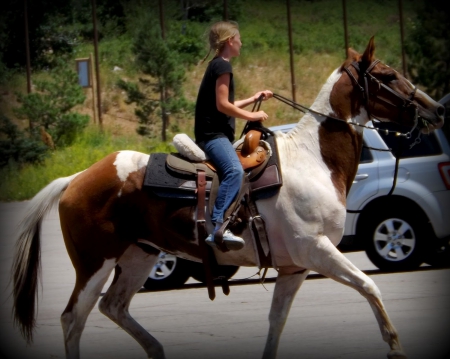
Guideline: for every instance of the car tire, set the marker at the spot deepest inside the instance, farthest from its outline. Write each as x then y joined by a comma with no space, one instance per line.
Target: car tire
169,272
396,242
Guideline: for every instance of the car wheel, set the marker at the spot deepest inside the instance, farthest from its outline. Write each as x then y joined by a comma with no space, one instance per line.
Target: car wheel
169,272
396,242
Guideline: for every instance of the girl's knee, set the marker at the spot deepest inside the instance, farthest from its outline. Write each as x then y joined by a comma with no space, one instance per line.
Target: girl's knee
239,171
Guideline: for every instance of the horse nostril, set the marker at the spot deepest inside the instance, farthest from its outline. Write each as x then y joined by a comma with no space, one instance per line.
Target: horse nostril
440,111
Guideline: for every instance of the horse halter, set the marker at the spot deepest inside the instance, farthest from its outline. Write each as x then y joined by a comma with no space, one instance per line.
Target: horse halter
405,102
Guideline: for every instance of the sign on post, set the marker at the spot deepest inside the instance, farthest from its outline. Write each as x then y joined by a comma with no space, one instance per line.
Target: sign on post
84,72
83,67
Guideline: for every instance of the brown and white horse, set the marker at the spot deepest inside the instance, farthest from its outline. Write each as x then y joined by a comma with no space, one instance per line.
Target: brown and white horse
104,211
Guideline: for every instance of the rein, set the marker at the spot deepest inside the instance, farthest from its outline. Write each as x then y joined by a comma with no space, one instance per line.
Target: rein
305,109
366,96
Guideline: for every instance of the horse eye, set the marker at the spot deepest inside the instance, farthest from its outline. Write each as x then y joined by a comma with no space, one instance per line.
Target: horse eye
389,77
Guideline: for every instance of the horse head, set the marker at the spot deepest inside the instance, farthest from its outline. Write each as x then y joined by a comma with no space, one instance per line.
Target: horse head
382,93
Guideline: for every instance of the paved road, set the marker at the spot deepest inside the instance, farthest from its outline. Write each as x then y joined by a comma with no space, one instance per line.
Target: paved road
328,320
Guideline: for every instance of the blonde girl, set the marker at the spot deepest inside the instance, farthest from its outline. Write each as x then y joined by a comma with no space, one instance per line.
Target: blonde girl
215,115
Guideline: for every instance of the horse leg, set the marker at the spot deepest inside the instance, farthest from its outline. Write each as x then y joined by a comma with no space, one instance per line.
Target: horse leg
84,296
131,272
286,286
327,260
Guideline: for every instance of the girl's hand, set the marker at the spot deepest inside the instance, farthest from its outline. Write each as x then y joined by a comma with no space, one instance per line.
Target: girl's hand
266,95
259,116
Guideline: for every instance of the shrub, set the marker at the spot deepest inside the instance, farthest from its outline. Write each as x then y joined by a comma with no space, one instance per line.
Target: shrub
17,146
50,107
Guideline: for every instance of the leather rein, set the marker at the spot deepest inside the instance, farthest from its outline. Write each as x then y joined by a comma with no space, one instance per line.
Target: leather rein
368,97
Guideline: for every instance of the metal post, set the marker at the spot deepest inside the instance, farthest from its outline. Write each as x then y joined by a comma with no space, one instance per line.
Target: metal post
290,49
344,8
97,67
400,13
27,46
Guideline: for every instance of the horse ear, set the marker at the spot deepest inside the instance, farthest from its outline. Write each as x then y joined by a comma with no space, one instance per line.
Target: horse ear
368,55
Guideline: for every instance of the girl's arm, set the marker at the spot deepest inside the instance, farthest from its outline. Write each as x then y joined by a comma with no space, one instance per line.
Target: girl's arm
226,107
243,103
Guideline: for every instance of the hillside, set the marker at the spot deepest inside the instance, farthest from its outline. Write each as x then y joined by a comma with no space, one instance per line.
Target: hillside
318,38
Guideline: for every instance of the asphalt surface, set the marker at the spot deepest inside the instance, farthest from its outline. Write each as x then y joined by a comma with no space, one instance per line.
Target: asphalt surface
327,320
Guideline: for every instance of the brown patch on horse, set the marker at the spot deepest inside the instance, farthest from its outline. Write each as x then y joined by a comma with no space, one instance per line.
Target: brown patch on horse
91,199
340,146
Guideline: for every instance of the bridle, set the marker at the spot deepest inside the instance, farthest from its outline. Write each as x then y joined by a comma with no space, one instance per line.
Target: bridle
368,97
375,97
405,103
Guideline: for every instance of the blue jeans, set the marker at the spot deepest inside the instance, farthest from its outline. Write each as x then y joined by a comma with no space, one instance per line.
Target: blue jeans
222,154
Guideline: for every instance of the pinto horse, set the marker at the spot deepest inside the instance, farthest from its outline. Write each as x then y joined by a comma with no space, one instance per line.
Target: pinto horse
104,212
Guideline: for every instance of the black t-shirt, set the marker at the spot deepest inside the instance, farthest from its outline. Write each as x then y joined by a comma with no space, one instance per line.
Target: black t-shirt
210,123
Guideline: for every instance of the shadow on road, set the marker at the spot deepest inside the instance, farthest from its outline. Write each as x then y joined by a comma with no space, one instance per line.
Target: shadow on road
250,281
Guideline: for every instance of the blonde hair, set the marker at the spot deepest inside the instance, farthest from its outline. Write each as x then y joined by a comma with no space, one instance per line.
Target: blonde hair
218,35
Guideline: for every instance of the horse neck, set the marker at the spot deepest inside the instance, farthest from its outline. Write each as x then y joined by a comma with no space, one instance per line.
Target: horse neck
331,145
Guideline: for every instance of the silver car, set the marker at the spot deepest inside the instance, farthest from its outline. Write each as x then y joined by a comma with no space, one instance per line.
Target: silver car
403,224
400,225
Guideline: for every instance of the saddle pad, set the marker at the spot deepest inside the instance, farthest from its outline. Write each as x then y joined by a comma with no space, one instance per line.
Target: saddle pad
165,183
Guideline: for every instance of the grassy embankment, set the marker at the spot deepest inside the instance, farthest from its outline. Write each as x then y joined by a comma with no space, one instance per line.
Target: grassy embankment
318,38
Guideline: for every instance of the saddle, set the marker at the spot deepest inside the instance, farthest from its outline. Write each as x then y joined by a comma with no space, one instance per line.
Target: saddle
189,175
174,175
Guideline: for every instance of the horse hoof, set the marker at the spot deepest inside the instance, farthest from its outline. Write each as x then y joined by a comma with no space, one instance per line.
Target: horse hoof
396,354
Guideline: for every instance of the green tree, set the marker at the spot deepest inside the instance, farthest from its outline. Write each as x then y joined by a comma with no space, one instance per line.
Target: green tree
141,94
428,47
50,107
156,58
17,145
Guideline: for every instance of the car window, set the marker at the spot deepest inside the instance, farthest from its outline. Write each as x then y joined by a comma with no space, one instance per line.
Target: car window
428,146
366,155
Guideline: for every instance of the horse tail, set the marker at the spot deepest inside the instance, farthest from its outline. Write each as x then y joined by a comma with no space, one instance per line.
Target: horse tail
26,267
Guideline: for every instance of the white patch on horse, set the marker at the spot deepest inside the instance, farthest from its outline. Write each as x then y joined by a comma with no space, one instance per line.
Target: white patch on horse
128,162
86,296
360,119
322,103
317,210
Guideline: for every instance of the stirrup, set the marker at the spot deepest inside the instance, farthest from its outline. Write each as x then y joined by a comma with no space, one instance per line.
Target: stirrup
232,242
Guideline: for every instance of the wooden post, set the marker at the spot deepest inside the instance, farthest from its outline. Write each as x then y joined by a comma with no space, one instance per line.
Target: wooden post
344,8
164,93
225,10
97,67
27,46
291,52
92,89
400,13
161,19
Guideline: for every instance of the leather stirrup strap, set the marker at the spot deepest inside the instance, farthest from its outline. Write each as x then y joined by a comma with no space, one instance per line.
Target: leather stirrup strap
259,225
231,217
202,233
